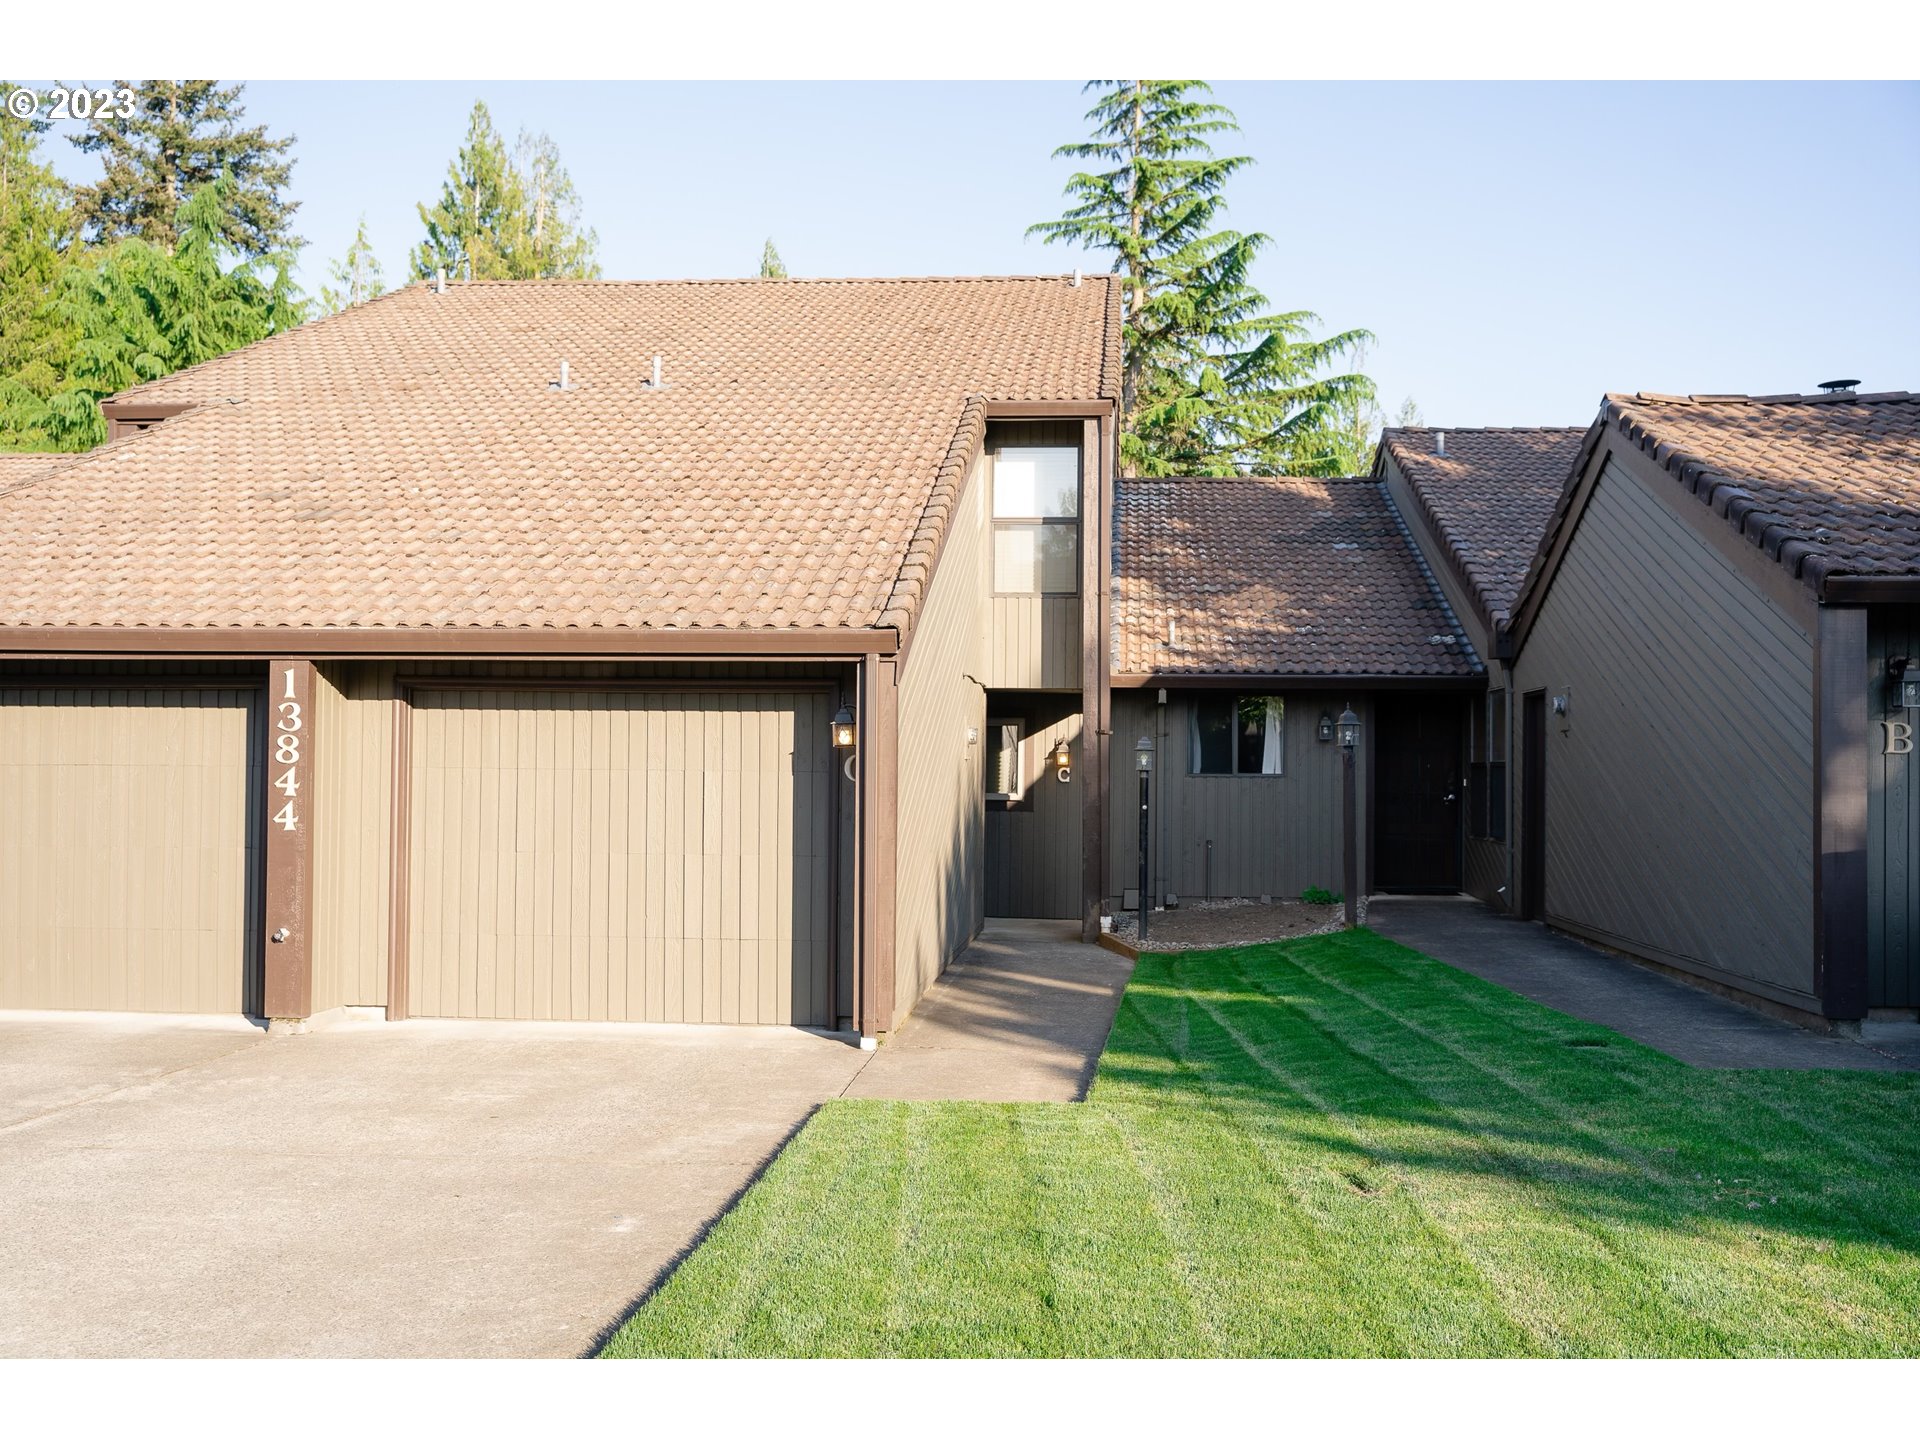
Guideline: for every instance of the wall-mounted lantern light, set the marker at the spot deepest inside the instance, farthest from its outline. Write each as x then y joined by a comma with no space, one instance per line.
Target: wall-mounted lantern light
1325,732
1903,683
844,730
1143,754
1349,726
1061,758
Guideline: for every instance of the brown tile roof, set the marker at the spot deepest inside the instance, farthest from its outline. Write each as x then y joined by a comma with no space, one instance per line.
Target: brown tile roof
1488,499
405,463
1276,577
19,465
1828,485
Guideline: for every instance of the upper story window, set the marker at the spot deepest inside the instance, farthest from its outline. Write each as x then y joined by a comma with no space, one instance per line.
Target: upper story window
1239,735
1036,520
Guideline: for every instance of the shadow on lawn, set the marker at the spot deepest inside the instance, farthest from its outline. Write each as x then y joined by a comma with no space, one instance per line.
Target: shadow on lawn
1373,1055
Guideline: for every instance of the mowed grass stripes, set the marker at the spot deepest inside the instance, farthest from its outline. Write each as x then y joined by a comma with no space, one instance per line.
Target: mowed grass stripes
1333,1146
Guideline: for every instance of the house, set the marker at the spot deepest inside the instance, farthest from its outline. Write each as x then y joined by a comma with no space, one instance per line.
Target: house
1248,614
557,650
1477,503
1711,653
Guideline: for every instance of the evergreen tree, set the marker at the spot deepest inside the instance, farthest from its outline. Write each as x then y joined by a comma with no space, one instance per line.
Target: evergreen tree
556,246
772,267
184,135
356,276
36,232
502,216
1214,383
140,312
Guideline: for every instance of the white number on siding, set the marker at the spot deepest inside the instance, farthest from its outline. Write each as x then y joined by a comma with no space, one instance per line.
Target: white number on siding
290,715
286,750
289,783
285,818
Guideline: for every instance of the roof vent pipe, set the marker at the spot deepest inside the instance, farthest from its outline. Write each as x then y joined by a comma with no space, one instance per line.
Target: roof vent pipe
565,382
1439,442
1839,387
1076,277
440,280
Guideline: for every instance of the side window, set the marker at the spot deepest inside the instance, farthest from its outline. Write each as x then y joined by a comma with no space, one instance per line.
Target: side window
1238,735
1036,520
1003,760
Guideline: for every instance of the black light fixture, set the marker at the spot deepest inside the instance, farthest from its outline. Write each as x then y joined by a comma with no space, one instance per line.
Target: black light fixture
844,730
1349,726
1903,683
1143,754
1325,732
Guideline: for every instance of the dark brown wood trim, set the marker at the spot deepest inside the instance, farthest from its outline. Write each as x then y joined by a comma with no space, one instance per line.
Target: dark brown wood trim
96,681
1094,550
130,417
288,914
1872,590
878,847
1252,682
64,642
623,685
399,868
1049,409
1368,803
1840,721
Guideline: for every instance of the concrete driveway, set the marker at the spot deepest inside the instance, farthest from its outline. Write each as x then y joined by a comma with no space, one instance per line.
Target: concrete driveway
182,1187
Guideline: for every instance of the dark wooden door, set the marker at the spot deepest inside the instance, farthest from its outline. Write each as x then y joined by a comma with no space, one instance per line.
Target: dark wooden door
1533,805
1417,806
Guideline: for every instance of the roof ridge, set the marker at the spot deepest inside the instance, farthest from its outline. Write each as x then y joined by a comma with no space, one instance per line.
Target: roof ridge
1840,397
562,282
1426,573
929,535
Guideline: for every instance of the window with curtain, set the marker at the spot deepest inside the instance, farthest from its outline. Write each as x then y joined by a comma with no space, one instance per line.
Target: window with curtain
1003,760
1036,520
1238,735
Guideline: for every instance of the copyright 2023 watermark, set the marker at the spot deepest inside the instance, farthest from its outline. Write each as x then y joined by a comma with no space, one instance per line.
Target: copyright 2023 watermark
73,102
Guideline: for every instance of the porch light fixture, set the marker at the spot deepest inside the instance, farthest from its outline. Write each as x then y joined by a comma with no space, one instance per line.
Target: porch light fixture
1143,754
1903,683
1061,758
844,730
1325,732
1349,726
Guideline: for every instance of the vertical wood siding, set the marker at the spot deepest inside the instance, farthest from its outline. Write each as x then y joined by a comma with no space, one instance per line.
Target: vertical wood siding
129,836
1033,853
1893,822
353,809
656,855
1272,835
940,786
1680,795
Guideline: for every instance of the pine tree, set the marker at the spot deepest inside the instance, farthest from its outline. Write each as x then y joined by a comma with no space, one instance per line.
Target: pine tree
557,248
505,216
184,135
356,276
772,267
1214,383
36,233
140,311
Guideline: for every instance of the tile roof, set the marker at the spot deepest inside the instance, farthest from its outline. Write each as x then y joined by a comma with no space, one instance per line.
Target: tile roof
405,463
17,466
1488,499
1828,485
1276,576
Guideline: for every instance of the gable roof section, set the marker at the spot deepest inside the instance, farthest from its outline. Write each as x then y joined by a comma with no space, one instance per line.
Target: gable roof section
406,464
1488,500
1828,486
1276,576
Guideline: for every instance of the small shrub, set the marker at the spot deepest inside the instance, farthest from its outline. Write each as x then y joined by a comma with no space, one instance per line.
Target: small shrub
1315,895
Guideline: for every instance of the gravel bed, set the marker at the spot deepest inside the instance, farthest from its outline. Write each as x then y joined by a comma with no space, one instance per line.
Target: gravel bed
1215,924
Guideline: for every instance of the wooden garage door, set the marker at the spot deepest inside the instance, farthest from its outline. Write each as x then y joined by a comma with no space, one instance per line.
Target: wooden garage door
127,849
621,856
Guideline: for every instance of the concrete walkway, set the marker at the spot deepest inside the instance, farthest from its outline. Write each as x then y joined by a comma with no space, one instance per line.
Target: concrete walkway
1023,1014
1689,1024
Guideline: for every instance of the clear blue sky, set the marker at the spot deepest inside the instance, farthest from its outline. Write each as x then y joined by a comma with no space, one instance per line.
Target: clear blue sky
1517,248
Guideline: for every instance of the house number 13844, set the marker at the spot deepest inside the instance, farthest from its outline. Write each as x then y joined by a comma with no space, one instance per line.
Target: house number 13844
286,753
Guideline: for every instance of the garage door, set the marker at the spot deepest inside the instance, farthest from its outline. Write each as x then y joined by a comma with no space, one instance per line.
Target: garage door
621,856
126,850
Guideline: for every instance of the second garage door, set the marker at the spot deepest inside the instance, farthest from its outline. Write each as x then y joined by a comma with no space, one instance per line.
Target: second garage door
645,855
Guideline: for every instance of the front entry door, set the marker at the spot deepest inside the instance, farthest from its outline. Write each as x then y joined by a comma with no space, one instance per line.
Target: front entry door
1417,764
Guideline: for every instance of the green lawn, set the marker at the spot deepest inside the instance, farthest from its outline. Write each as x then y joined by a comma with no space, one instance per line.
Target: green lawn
1334,1146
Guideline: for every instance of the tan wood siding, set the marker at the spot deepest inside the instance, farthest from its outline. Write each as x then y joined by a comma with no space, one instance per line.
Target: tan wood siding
1679,792
1271,835
353,806
1033,849
940,788
647,855
128,845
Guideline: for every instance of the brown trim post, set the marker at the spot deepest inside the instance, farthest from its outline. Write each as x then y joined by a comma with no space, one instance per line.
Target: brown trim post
1840,812
287,992
400,861
878,747
1096,714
